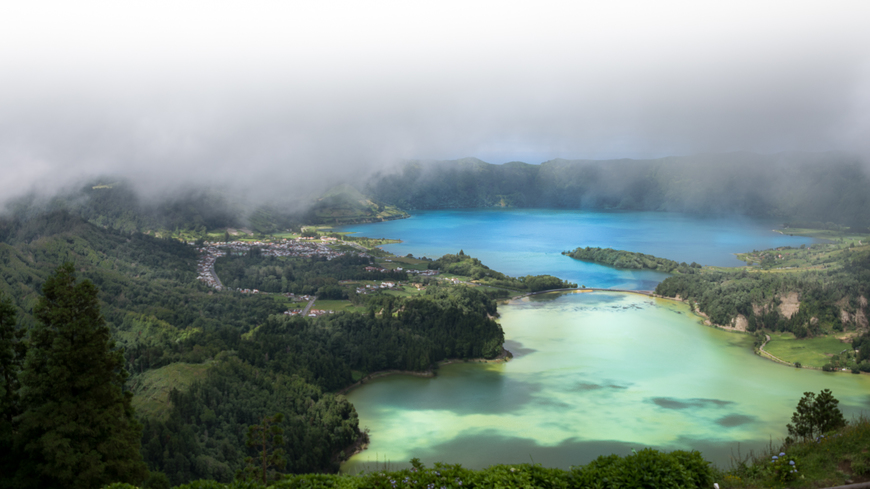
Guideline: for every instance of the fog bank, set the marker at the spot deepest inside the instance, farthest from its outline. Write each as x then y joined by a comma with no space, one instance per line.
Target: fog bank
279,100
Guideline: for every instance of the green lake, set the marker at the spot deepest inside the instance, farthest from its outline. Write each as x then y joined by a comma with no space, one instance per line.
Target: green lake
593,374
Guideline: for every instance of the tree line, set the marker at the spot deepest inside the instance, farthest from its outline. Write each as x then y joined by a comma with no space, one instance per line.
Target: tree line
467,266
631,260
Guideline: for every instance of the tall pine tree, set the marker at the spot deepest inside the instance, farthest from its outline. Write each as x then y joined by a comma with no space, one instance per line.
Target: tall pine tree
77,429
12,351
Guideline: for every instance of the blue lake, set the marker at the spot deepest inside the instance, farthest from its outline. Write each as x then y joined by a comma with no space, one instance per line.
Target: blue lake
593,373
530,241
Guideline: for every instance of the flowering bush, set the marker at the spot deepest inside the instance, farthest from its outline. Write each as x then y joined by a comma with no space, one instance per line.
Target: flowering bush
783,467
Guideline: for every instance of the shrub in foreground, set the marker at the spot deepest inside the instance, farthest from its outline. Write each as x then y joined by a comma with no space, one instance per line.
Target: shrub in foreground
647,468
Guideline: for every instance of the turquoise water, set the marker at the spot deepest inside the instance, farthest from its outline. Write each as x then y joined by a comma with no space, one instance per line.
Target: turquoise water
594,373
530,241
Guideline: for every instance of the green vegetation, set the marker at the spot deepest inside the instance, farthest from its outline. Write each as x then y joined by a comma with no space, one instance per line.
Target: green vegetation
151,389
644,468
807,299
337,306
316,276
12,352
346,205
820,256
824,296
206,365
628,259
203,435
821,451
809,352
367,243
76,428
265,436
463,265
815,416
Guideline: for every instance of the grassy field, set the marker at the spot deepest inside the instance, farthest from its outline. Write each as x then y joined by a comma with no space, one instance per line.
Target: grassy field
403,262
811,352
290,304
818,256
846,237
337,306
286,235
151,389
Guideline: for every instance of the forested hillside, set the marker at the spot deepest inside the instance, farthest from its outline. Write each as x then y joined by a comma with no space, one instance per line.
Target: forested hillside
830,298
345,204
206,364
312,276
811,187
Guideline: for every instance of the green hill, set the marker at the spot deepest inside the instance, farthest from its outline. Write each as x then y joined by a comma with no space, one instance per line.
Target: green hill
346,205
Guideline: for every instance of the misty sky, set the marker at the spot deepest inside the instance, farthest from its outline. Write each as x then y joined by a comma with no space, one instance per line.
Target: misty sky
288,95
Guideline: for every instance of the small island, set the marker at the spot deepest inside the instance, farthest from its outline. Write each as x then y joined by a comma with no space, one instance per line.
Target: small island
629,259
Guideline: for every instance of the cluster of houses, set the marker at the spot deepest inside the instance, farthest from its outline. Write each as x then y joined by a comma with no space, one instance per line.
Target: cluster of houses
284,247
294,297
312,313
425,273
205,269
370,288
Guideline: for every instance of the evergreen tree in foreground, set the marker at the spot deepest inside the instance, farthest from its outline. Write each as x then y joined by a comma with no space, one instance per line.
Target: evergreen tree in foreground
12,351
814,416
266,437
77,429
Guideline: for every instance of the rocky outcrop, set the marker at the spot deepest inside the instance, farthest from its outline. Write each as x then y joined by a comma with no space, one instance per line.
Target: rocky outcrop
789,305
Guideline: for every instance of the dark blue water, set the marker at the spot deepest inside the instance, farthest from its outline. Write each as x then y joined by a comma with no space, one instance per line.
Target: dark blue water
530,241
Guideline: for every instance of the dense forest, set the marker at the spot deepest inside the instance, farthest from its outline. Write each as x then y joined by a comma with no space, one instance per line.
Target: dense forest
205,364
825,187
629,259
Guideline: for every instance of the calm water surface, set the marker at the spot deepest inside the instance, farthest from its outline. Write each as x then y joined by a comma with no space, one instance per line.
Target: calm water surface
530,242
593,373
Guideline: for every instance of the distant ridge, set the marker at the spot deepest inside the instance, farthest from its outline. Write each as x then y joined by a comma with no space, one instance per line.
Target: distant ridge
790,185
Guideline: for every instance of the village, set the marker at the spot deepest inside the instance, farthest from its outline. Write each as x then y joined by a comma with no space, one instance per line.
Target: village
302,248
210,252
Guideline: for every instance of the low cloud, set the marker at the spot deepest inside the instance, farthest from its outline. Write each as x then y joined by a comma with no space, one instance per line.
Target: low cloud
281,100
